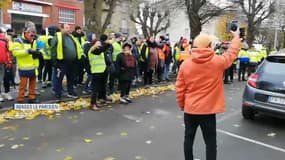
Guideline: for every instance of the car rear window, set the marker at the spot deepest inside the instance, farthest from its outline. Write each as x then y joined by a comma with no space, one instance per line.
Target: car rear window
276,59
274,65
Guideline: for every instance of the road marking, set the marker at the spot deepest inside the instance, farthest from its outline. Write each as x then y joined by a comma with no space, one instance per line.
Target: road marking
252,141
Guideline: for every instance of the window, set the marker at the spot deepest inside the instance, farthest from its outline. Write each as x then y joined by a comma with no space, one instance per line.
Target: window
66,16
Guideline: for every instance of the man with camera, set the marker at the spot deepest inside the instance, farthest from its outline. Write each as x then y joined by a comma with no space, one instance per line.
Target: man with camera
200,91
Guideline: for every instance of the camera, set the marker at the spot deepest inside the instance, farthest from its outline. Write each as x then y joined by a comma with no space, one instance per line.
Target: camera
234,26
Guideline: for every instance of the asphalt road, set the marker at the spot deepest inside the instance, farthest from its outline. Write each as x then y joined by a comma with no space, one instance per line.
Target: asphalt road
151,128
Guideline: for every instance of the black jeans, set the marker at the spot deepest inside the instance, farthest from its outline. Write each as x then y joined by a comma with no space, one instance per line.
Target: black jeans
41,67
208,127
148,77
125,87
8,79
241,71
47,70
112,79
99,81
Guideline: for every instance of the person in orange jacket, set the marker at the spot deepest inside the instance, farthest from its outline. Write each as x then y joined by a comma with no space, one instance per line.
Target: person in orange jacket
200,91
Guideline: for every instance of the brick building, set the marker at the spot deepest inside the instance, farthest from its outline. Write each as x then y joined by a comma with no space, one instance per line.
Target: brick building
43,13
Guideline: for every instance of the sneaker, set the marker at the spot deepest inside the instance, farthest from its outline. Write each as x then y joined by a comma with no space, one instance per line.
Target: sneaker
1,98
8,96
123,100
86,92
128,99
72,95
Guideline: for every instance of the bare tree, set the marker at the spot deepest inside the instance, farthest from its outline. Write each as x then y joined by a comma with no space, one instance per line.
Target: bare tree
256,12
98,14
151,20
200,12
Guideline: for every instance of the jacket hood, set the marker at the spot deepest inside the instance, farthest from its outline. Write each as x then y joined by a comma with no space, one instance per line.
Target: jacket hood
202,55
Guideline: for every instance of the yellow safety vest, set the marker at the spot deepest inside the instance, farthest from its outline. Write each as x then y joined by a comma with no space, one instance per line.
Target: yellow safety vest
60,49
146,53
253,57
117,49
177,53
25,60
97,62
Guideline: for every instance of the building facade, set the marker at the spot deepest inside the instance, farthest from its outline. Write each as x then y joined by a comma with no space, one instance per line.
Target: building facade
43,13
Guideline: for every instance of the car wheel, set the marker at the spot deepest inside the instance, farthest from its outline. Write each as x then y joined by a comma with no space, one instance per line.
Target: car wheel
247,113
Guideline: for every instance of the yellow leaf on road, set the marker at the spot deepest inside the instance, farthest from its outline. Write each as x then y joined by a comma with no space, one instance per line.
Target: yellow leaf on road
86,140
68,158
124,134
10,128
26,138
109,158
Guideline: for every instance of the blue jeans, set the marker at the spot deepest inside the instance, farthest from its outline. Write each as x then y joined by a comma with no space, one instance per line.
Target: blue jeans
166,71
65,69
87,82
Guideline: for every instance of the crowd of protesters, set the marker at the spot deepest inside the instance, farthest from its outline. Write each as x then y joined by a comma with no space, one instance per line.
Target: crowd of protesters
100,64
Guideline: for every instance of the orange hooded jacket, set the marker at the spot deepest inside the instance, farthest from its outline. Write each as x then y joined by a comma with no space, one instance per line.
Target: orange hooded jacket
199,85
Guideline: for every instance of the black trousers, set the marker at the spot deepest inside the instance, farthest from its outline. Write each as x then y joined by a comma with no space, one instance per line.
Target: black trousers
8,79
125,86
208,127
79,71
47,70
99,81
41,67
112,79
241,71
148,77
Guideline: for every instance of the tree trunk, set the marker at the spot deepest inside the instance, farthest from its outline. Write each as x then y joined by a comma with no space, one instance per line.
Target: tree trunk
195,25
250,34
93,13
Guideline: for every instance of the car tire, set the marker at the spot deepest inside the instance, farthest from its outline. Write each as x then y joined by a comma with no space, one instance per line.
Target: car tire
247,113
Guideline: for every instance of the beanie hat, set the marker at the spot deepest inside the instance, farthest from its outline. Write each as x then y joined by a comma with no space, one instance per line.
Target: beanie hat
203,40
30,26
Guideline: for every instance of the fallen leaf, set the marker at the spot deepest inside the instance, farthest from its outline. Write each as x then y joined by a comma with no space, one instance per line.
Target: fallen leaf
138,157
236,125
26,138
271,134
99,134
21,145
15,146
60,149
2,145
124,134
75,121
86,140
148,142
109,158
10,128
179,116
138,121
68,158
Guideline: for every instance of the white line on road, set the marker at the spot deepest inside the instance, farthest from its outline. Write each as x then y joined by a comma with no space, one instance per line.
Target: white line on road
252,141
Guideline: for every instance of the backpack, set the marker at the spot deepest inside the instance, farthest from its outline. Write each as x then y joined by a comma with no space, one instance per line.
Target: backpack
4,51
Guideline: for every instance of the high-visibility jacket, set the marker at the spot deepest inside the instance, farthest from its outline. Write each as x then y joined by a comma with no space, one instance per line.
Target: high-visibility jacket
184,55
177,53
253,56
264,53
25,61
46,51
144,52
117,49
161,54
97,62
244,56
60,49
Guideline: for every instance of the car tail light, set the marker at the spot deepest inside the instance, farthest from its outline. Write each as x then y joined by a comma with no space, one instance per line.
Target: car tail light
252,80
